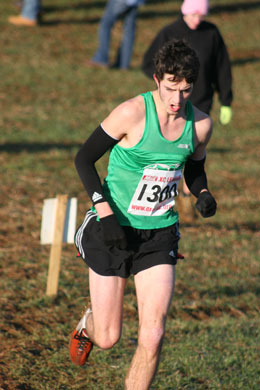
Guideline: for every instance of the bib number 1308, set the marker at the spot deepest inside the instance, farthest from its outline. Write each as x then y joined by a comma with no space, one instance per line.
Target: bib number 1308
155,192
159,194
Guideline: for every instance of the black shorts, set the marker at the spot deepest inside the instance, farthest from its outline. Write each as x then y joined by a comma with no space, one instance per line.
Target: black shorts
145,248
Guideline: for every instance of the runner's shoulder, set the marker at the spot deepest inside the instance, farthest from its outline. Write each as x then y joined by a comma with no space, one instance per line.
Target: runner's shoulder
202,124
132,110
125,117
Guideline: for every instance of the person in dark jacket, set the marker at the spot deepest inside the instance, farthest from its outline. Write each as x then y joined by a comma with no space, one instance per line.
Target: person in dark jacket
215,68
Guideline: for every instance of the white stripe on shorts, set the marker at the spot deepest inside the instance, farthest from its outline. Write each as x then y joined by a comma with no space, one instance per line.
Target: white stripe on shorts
78,237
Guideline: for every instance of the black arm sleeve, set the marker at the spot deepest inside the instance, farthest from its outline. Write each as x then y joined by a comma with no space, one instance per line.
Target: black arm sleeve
195,176
94,148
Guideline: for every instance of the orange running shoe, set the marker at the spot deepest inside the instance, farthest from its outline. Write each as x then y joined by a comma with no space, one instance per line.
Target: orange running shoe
80,344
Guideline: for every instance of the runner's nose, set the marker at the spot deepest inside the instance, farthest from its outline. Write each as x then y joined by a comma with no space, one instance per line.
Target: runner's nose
177,98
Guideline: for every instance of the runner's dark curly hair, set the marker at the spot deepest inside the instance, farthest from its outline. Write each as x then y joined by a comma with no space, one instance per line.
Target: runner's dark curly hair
177,58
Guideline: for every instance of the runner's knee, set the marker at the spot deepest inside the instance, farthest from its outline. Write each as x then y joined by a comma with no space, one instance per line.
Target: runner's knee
151,338
106,339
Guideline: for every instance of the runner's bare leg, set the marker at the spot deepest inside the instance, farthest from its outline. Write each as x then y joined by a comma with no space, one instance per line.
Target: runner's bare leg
104,323
154,289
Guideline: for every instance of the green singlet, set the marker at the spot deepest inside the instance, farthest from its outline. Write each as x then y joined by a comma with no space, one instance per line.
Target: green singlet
142,180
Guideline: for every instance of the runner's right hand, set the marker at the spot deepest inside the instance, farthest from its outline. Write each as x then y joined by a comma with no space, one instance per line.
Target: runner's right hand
113,232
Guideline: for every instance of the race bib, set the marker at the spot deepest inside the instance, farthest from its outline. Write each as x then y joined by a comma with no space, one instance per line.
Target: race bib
155,192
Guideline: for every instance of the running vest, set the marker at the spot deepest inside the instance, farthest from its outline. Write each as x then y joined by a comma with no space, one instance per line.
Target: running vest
142,180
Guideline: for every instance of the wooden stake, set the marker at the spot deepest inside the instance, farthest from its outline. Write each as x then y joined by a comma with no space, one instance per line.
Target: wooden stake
55,255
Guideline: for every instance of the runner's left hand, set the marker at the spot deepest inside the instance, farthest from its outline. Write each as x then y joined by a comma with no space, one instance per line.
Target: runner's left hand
206,204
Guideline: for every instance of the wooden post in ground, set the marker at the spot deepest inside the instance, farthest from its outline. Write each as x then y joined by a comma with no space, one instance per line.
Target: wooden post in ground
56,247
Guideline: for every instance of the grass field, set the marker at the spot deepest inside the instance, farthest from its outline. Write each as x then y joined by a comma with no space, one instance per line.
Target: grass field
50,103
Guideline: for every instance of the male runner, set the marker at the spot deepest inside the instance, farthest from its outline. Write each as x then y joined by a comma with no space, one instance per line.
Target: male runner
133,226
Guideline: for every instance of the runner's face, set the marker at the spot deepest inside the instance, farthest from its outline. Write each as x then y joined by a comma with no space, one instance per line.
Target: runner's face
174,94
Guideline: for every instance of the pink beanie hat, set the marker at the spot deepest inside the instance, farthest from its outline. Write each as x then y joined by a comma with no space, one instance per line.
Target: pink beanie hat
195,7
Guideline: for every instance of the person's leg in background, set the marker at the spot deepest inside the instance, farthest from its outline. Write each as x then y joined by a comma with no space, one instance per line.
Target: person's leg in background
128,38
29,14
31,9
113,10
